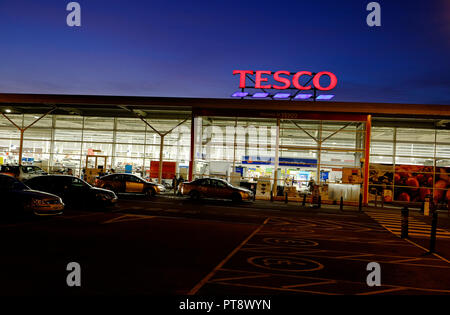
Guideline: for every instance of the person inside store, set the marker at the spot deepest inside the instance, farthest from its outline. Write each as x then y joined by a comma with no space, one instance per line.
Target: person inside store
311,184
179,182
174,184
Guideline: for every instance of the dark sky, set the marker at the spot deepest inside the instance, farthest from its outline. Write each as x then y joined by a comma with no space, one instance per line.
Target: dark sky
190,48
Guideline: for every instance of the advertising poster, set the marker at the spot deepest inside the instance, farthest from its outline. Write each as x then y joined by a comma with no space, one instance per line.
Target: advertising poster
410,183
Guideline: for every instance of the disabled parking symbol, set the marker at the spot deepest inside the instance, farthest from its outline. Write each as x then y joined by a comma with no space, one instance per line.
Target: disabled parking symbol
285,263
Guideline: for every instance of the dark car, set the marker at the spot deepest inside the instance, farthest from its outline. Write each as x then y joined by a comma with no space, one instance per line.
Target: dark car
17,198
73,190
22,172
215,188
128,183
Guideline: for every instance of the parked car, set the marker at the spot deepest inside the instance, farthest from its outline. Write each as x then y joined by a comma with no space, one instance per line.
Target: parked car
128,183
73,190
18,198
22,172
214,188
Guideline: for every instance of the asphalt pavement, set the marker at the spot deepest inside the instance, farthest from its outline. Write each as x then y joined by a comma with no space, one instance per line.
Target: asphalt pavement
170,245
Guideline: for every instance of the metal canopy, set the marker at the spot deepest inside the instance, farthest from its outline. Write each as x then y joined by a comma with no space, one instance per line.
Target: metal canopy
178,108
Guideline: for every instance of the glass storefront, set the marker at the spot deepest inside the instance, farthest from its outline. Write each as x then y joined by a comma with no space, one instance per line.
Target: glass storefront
406,164
61,143
243,150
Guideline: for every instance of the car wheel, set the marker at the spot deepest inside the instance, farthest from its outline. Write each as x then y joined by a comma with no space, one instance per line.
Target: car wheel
236,197
195,195
150,193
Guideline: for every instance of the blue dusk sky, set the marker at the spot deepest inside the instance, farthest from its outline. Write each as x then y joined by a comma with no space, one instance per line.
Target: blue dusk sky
190,48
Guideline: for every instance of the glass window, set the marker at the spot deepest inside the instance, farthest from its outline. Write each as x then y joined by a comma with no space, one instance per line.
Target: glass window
134,124
415,135
381,148
44,122
98,136
99,123
130,137
415,149
68,135
382,133
69,122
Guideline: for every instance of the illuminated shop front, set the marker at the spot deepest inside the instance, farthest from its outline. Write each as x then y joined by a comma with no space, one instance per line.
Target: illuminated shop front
244,141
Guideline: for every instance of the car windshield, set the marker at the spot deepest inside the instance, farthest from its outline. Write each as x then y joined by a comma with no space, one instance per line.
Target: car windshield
222,183
32,169
139,178
79,183
18,185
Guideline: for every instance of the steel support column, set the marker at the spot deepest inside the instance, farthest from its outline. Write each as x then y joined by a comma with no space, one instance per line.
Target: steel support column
277,157
367,160
161,150
23,129
192,153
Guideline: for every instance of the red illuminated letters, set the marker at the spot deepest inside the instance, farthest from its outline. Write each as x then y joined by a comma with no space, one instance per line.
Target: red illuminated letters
333,81
243,73
286,81
297,77
277,76
259,79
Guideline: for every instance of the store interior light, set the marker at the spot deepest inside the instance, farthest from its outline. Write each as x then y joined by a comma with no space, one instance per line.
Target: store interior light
7,110
282,95
302,96
325,97
239,94
260,95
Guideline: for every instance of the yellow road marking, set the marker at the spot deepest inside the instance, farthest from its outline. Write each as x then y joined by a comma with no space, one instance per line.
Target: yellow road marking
127,217
202,282
337,281
382,291
309,284
242,277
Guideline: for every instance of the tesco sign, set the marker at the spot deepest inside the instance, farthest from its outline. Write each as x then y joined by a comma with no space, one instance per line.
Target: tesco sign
261,77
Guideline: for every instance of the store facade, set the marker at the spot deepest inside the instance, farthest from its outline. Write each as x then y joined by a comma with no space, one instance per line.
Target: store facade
244,141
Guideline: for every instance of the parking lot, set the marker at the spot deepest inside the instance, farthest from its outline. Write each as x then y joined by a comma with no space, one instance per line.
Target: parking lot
172,245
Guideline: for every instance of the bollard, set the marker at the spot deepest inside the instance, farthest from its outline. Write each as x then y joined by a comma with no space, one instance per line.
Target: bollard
286,197
433,232
304,200
341,205
375,200
360,203
319,201
405,215
382,201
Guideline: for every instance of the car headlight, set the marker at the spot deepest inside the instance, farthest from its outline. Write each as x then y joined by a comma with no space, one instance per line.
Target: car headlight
161,187
38,202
